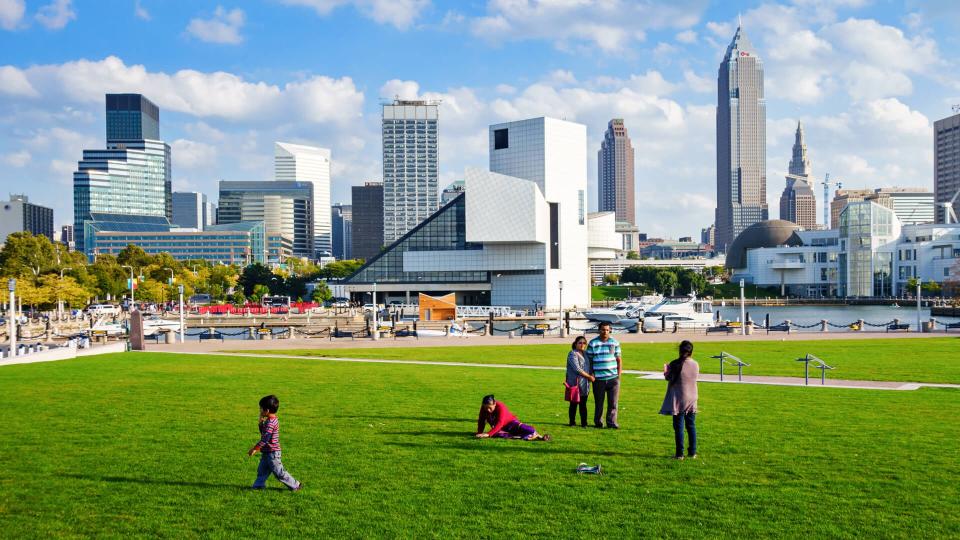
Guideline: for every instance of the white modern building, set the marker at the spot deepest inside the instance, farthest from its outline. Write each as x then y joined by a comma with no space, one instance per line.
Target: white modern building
514,237
871,254
300,163
604,240
410,165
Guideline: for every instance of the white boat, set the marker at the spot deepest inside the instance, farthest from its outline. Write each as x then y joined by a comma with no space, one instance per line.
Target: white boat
111,328
684,313
627,312
153,325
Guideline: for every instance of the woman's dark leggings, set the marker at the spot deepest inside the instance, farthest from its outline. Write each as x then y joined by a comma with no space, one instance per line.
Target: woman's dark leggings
583,412
690,421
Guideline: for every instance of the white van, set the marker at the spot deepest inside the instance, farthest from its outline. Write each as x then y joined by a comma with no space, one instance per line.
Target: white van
103,309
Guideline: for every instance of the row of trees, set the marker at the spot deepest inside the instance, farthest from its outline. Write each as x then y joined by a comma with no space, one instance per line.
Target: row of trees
47,272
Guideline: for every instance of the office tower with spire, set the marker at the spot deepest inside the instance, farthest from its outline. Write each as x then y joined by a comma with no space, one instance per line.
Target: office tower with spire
301,163
615,180
798,202
132,175
741,141
410,165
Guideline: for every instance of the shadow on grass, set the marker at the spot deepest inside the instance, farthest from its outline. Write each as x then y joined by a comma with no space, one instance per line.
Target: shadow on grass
470,443
456,434
160,482
413,418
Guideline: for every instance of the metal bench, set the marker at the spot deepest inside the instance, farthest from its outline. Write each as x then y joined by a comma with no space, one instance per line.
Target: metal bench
779,328
337,333
211,335
951,326
405,332
898,327
533,332
722,328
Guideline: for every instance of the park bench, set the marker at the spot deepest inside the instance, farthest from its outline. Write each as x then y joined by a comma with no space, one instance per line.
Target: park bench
211,335
952,326
722,328
405,332
337,333
538,330
779,328
898,327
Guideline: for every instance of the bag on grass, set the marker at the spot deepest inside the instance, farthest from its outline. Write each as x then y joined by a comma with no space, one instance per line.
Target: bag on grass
571,393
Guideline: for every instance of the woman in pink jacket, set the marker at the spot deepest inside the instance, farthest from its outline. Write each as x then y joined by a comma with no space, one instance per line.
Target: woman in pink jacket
503,423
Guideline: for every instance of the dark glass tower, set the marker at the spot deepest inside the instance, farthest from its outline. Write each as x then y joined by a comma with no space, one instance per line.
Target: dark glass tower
131,117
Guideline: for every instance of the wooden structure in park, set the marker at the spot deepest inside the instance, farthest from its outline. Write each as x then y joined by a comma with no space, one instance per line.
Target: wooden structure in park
438,308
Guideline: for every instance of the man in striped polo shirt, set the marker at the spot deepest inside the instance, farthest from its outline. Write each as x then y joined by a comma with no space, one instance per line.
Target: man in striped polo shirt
603,355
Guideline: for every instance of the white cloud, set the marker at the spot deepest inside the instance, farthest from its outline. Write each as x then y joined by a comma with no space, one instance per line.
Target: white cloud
562,77
56,14
11,13
699,84
141,12
193,155
14,82
395,88
505,89
687,36
723,30
610,25
215,94
16,159
398,13
224,27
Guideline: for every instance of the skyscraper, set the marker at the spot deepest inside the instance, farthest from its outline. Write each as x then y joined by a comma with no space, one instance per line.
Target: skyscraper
798,202
188,209
342,221
367,205
132,176
410,165
285,208
946,164
615,181
19,214
741,141
300,163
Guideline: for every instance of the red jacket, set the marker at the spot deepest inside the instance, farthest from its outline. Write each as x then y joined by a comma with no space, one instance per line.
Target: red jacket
500,417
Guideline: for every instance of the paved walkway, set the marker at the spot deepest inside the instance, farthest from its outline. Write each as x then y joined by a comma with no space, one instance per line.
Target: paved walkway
645,375
193,345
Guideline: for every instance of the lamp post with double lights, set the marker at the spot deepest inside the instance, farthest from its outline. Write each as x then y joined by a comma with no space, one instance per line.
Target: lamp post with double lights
133,303
59,299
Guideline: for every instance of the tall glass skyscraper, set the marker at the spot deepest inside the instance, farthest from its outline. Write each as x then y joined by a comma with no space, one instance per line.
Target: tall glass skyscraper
300,163
410,165
285,208
615,181
132,175
741,141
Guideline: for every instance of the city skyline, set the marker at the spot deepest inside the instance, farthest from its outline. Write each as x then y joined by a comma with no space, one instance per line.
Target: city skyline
867,111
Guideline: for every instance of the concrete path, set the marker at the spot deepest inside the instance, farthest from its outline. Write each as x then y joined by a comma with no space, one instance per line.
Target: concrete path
643,375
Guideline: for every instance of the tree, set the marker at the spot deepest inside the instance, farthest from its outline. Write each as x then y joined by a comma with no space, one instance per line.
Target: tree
340,269
253,275
24,254
134,256
612,279
321,293
633,256
666,281
33,295
258,292
67,289
238,299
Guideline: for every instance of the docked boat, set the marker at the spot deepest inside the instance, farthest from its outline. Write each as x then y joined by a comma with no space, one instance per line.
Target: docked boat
152,325
624,313
686,313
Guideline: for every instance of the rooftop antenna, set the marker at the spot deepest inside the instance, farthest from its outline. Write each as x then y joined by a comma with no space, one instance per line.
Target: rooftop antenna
956,109
739,20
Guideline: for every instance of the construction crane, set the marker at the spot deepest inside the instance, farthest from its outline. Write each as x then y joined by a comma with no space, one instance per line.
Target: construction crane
826,183
948,212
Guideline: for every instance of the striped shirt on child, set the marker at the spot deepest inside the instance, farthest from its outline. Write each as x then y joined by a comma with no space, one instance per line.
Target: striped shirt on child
269,434
603,358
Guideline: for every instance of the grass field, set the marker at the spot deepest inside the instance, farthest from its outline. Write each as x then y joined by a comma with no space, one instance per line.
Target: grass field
913,360
149,444
608,292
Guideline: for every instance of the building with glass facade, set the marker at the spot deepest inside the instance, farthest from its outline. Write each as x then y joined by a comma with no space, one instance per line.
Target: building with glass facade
285,208
301,163
410,165
342,223
189,209
912,205
508,239
871,254
132,174
946,165
237,243
19,214
367,228
741,141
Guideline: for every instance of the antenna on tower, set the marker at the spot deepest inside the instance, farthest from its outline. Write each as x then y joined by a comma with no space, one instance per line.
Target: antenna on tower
956,109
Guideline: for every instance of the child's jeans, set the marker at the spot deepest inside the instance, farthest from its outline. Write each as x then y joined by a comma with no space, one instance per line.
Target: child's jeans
679,420
270,463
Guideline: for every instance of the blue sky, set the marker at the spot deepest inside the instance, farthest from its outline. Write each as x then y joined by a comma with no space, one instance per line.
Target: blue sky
867,78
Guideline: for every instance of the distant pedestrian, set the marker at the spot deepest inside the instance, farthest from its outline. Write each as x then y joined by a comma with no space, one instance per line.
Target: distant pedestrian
681,399
269,444
503,423
578,381
606,365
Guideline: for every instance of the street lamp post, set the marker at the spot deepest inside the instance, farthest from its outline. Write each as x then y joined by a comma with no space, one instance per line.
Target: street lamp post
743,310
59,300
169,282
183,326
12,317
919,328
376,329
133,304
563,332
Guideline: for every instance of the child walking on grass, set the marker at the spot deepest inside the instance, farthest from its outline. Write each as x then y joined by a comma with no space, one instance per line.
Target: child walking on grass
269,446
503,423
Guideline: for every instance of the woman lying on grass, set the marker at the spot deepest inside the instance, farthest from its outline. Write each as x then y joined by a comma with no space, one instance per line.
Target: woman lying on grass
504,424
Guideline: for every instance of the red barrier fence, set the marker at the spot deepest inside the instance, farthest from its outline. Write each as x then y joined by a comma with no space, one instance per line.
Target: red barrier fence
256,309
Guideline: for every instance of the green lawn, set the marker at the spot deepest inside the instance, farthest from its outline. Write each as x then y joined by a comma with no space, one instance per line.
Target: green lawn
915,360
608,292
149,444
